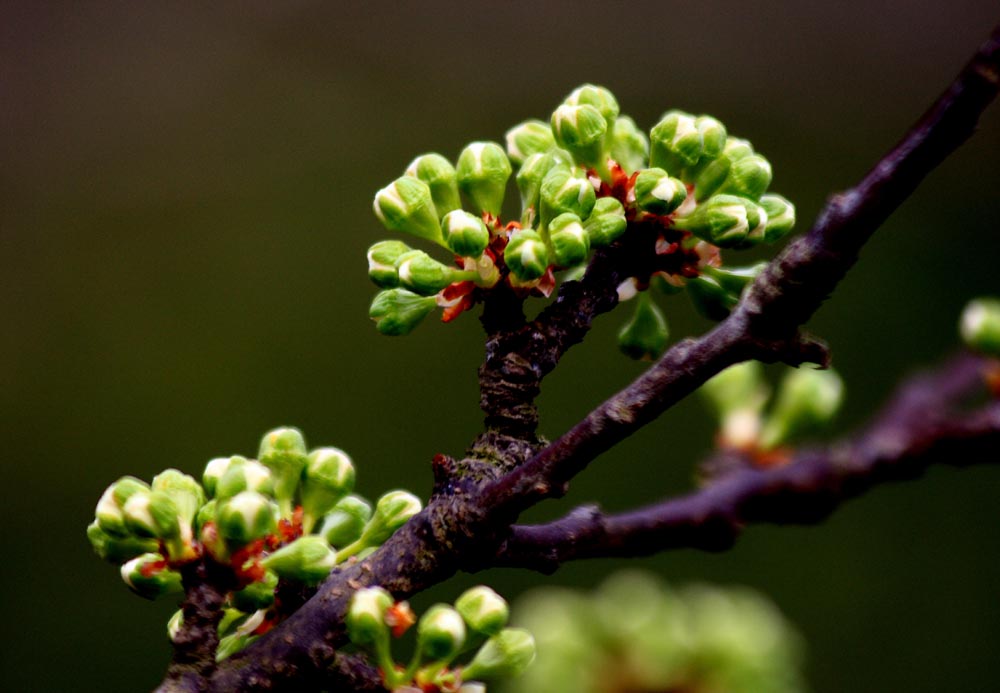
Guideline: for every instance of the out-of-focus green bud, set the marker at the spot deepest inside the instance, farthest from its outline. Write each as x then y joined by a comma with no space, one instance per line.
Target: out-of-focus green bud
246,517
713,136
405,205
562,193
397,311
723,220
175,624
242,635
675,142
657,193
439,175
710,298
327,478
484,610
598,97
283,451
570,242
115,549
606,222
149,576
529,180
980,325
206,514
629,145
472,687
528,138
382,260
780,217
440,633
257,595
737,388
709,177
152,515
422,274
508,653
645,335
748,177
345,522
308,559
807,400
183,489
216,469
109,512
483,170
465,233
734,279
526,255
581,130
246,475
366,616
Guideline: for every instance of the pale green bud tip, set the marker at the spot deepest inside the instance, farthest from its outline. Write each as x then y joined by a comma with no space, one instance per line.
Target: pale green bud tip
713,135
175,624
580,130
645,335
748,177
570,242
483,170
724,220
257,595
328,477
152,515
606,222
980,325
422,274
366,615
245,517
115,549
109,511
484,610
629,145
675,142
562,192
738,387
657,193
406,205
284,440
308,559
465,233
382,259
215,470
397,311
807,400
506,654
346,521
780,217
598,97
183,489
440,177
149,576
441,632
244,475
526,255
528,138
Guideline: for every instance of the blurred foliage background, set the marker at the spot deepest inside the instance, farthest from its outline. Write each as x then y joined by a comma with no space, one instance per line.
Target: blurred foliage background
186,202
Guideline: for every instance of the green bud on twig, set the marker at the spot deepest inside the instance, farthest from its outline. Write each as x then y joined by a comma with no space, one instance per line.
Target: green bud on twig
110,513
405,205
366,616
439,175
529,180
484,610
713,136
570,242
526,255
257,595
345,522
606,222
581,130
283,451
528,138
382,260
308,559
710,298
723,220
598,97
710,174
806,401
980,326
483,170
422,274
507,653
327,478
245,475
562,192
675,142
246,517
152,515
780,217
397,311
629,145
465,233
149,576
392,511
440,633
116,549
657,193
748,177
645,335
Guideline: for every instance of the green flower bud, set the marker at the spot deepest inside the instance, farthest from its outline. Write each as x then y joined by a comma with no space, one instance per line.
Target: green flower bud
116,549
724,220
737,388
483,170
382,260
598,97
710,174
675,142
257,595
657,193
980,325
484,610
807,400
327,478
308,559
152,515
526,255
645,335
570,242
366,616
149,576
528,138
734,279
780,217
346,521
184,491
465,233
422,274
245,475
246,517
175,624
215,470
392,511
748,177
405,205
283,451
713,136
581,130
562,193
529,180
439,175
629,145
440,633
206,514
710,298
606,222
109,512
507,653
242,635
397,311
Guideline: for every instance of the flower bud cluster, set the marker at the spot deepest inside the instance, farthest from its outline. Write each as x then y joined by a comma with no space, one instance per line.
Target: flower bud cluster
634,633
585,177
288,516
475,623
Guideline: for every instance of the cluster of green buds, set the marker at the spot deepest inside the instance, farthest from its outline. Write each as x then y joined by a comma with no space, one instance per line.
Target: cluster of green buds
473,629
806,401
285,518
634,633
585,177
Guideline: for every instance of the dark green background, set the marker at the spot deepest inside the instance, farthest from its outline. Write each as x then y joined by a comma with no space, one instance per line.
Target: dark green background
185,207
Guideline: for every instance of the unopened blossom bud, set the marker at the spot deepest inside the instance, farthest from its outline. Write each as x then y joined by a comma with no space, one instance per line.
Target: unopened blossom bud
581,130
327,478
365,618
734,279
658,193
748,177
184,491
570,242
780,217
645,335
465,233
246,517
723,220
308,559
392,511
564,192
980,325
737,388
440,633
484,610
422,274
483,170
598,97
528,138
711,174
257,595
216,469
382,260
526,255
629,145
245,475
149,576
205,514
675,142
397,311
807,400
283,451
109,512
406,205
152,514
710,298
508,653
242,633
344,524
606,222
713,136
439,175
174,625
116,549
